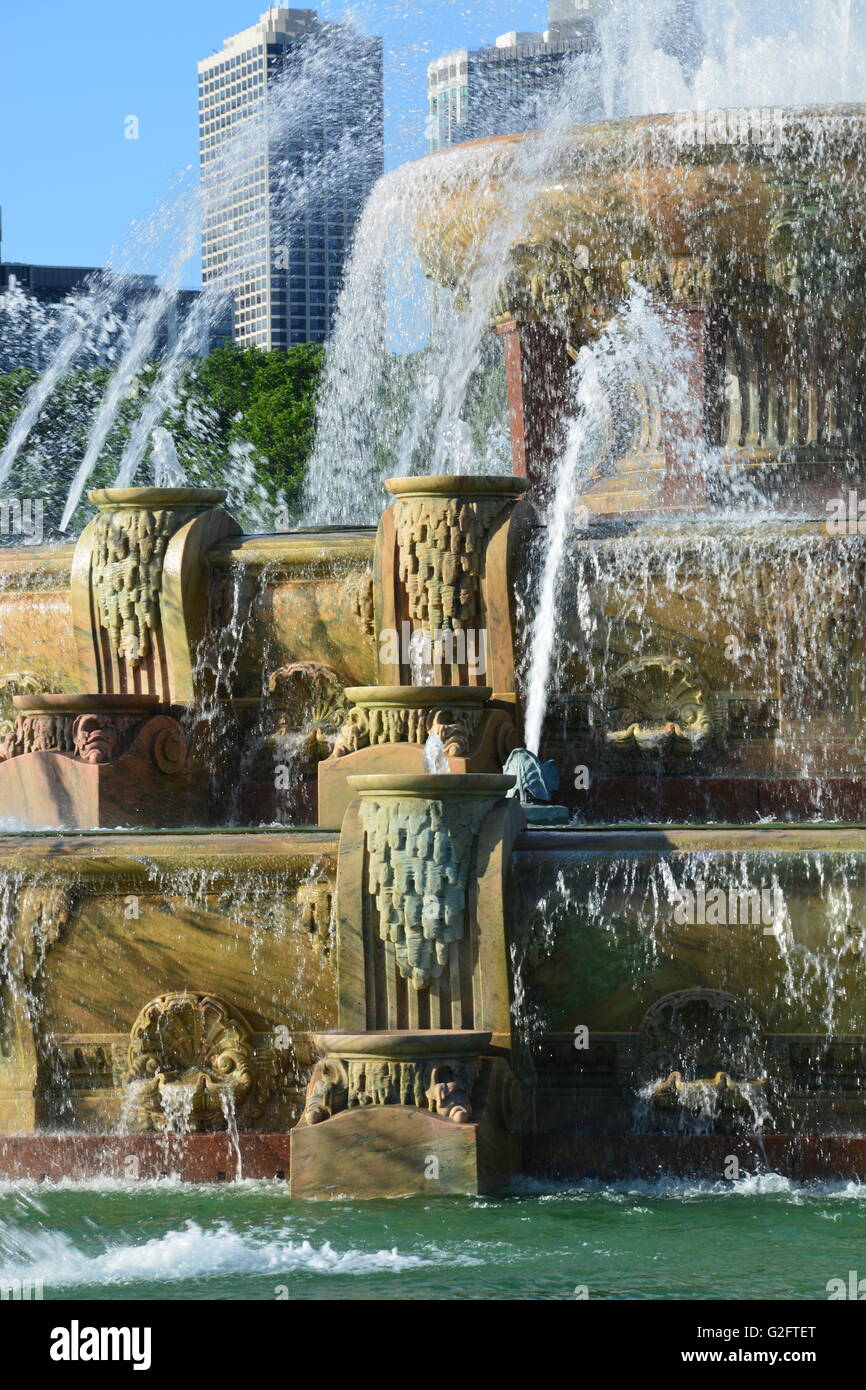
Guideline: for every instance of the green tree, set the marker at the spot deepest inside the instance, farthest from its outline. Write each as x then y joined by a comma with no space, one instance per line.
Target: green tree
268,400
241,418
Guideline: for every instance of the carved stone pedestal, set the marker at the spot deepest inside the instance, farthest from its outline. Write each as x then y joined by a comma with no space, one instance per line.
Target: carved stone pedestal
119,756
388,726
391,1114
78,762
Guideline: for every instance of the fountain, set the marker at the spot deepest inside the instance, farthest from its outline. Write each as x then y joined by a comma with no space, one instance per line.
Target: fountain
415,973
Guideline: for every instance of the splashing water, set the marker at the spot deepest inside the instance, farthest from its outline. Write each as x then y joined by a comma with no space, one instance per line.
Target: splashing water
435,758
325,64
406,370
167,470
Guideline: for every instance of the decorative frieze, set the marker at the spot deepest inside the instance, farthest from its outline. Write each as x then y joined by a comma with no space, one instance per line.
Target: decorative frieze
437,1072
366,728
96,730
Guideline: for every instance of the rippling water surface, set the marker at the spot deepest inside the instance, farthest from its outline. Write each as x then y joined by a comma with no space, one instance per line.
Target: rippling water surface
760,1238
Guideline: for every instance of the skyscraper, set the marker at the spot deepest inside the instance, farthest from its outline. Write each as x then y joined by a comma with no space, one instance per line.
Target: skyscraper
291,141
498,89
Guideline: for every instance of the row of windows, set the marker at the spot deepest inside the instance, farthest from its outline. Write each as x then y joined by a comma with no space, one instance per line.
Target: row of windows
221,94
240,60
208,124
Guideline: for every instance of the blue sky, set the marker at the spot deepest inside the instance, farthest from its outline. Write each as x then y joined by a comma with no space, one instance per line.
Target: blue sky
71,184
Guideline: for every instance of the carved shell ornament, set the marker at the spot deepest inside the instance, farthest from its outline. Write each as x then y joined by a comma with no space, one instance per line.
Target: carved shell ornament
699,1034
657,705
191,1044
307,695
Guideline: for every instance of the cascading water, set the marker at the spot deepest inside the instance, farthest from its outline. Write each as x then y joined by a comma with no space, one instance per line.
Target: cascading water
667,980
385,409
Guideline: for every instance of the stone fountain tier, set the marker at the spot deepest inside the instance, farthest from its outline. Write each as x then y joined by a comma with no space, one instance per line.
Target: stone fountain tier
746,227
420,1067
125,753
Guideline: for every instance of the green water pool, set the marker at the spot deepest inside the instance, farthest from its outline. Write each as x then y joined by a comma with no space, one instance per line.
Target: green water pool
759,1238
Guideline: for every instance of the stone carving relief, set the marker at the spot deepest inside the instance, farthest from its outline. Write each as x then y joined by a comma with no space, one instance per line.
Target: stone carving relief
656,705
680,279
445,1087
316,911
98,737
190,1065
366,727
307,698
441,552
697,1033
364,604
547,279
128,557
14,683
418,858
39,734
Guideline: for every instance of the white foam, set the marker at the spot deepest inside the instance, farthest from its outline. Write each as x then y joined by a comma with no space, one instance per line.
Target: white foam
683,1189
184,1254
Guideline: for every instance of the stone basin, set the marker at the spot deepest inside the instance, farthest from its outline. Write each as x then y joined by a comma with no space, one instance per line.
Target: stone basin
157,498
451,785
394,1043
721,189
744,227
417,696
50,705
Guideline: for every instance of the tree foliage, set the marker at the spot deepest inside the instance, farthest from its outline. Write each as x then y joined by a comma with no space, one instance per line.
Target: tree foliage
240,418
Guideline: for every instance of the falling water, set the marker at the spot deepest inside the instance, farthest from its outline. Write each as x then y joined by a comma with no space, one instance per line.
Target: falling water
435,758
640,354
122,379
167,470
796,967
402,364
229,1110
77,325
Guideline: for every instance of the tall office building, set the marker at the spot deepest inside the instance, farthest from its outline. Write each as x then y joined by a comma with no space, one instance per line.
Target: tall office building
498,89
291,142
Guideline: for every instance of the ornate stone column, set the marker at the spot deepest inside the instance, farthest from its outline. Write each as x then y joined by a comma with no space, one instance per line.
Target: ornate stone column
442,574
117,754
139,588
419,1067
444,625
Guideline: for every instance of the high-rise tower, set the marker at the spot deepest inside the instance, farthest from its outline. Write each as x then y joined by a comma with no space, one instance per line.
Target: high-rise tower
291,141
501,88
